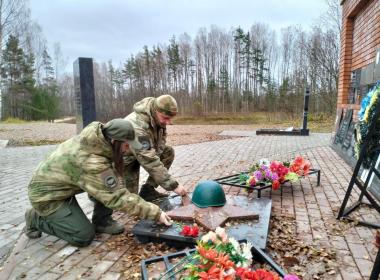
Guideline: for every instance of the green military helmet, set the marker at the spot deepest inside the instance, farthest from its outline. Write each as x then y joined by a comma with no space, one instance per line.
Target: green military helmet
208,193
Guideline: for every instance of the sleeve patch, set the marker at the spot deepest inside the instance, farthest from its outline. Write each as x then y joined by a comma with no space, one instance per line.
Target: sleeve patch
145,142
109,179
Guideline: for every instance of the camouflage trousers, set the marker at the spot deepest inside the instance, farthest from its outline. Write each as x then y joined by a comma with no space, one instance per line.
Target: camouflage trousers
68,223
132,171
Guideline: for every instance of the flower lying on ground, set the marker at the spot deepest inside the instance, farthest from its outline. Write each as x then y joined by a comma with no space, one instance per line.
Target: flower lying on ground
192,231
275,172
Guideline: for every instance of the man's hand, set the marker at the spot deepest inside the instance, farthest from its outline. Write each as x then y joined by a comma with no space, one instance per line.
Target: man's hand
180,190
165,219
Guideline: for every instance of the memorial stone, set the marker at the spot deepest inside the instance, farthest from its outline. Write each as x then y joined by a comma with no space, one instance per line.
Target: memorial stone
344,139
374,184
84,92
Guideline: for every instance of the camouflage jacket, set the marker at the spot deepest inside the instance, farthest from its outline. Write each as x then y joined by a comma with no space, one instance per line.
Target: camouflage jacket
84,164
153,139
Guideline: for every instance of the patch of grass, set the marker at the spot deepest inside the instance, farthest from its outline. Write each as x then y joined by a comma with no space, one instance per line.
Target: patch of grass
30,142
14,121
316,122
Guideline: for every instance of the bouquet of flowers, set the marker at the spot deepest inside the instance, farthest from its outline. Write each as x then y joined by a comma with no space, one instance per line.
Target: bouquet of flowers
219,257
275,172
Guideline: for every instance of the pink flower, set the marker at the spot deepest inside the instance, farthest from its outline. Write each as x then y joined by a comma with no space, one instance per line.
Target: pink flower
258,175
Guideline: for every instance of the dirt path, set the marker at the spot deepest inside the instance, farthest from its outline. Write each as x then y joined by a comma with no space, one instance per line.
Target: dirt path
41,133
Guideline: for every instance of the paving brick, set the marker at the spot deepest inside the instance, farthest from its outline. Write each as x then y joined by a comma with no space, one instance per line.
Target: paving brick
350,273
111,276
49,276
74,274
339,243
365,267
98,270
68,263
358,250
114,255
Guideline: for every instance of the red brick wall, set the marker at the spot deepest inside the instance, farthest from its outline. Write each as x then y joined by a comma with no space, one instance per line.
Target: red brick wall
359,41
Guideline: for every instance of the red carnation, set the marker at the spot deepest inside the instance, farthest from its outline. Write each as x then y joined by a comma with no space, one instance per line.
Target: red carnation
194,231
186,230
275,185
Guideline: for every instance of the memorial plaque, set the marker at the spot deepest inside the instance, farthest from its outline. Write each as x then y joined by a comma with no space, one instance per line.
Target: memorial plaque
344,126
347,141
376,75
84,92
338,121
344,140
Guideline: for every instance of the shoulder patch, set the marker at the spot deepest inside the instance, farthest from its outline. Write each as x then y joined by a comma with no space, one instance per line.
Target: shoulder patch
109,179
145,142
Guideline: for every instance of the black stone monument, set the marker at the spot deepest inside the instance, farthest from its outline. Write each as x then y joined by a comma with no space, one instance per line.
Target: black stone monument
304,131
344,139
84,92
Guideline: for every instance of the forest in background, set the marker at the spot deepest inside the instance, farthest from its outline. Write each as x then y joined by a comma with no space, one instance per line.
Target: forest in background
218,71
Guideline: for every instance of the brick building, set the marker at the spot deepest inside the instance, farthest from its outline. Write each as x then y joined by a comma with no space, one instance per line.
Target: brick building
359,69
360,50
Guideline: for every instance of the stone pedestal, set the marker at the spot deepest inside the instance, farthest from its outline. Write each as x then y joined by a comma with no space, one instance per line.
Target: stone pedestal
255,231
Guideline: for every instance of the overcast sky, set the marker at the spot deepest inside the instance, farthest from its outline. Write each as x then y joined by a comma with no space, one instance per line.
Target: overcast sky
115,29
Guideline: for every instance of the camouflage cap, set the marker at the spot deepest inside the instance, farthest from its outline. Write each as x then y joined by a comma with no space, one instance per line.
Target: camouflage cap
121,130
167,105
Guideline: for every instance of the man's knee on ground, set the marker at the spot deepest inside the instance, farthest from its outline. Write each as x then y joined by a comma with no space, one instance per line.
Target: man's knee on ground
83,238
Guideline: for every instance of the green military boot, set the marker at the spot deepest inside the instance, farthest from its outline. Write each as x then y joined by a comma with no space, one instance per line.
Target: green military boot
102,219
30,231
109,226
149,193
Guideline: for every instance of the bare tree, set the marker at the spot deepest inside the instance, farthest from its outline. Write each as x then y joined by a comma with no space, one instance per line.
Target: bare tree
10,16
59,61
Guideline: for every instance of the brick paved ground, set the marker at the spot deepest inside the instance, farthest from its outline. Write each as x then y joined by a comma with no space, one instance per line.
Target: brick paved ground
313,207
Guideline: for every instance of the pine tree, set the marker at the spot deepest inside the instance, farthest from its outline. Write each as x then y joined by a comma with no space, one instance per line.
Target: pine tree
47,66
11,72
174,61
224,86
49,89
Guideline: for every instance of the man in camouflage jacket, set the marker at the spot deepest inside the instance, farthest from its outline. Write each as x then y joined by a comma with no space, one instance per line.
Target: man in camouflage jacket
149,119
85,163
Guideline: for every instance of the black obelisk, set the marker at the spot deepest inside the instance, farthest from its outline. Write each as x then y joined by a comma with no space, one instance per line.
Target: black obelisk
84,92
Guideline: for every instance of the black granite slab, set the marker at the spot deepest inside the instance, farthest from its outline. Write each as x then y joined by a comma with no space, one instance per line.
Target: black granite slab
255,232
273,131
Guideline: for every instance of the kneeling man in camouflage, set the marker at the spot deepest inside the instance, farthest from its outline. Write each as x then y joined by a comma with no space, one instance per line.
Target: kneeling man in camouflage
90,162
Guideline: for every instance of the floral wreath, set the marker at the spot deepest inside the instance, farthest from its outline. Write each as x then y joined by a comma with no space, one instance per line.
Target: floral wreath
366,117
218,256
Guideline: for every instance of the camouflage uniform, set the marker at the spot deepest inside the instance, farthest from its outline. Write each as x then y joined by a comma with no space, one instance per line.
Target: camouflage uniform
155,156
81,164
